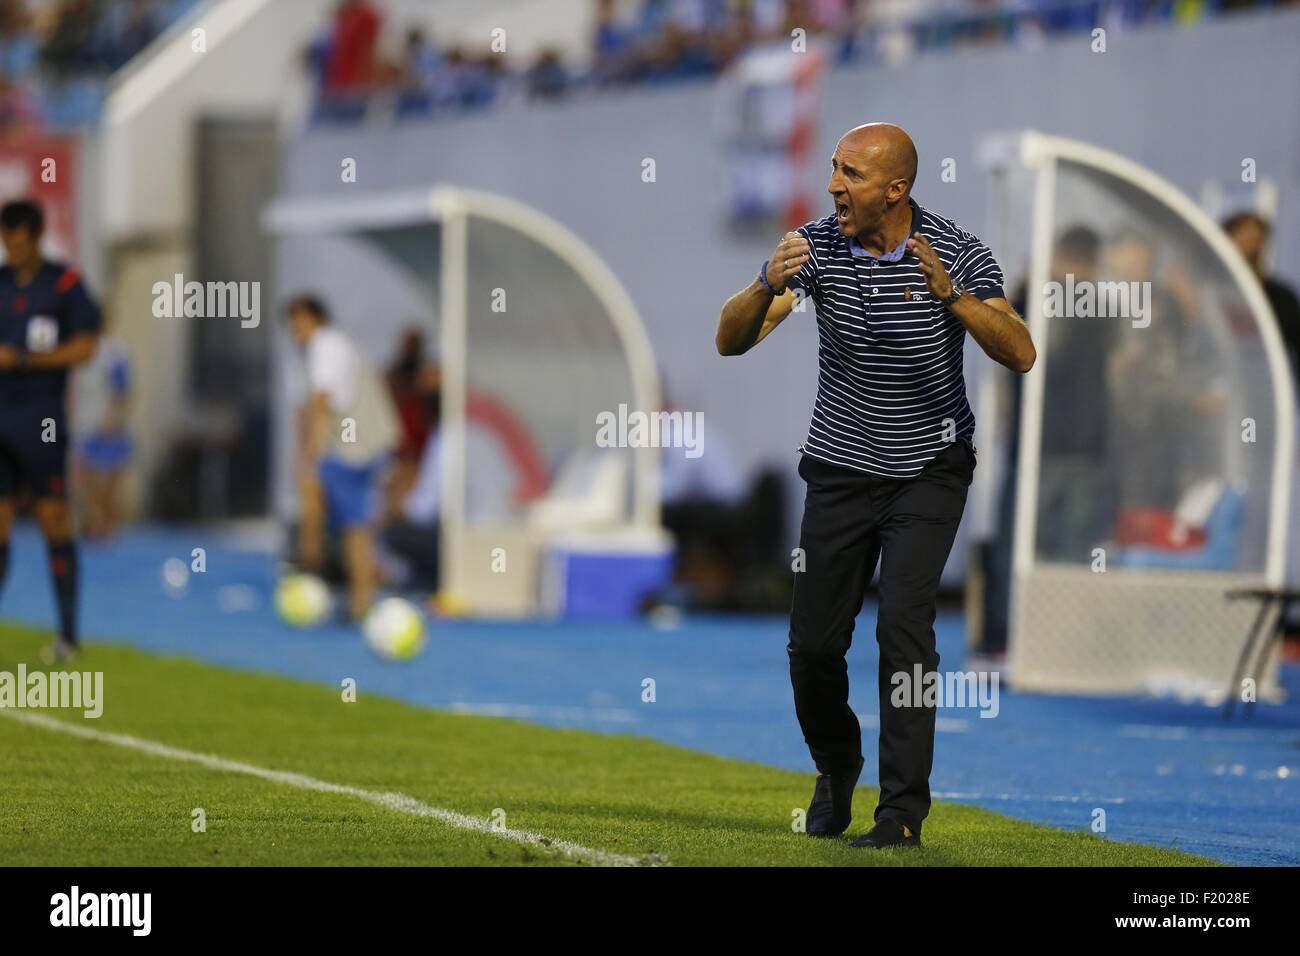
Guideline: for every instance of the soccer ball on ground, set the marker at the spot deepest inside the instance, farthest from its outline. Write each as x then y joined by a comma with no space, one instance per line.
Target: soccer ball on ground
394,629
302,600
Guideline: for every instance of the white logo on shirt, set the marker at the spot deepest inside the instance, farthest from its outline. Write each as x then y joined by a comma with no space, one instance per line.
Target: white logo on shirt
42,333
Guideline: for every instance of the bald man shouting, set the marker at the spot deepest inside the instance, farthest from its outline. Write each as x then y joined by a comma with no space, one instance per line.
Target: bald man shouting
888,458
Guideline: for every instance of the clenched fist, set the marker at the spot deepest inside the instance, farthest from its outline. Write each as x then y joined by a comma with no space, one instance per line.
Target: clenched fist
792,252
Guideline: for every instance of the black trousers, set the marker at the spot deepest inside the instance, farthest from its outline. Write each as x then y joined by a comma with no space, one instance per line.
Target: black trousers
851,522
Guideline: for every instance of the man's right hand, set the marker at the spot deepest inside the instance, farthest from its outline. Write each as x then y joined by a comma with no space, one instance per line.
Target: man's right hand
791,253
749,315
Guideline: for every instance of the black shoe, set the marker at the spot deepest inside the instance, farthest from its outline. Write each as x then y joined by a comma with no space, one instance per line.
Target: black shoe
831,810
886,833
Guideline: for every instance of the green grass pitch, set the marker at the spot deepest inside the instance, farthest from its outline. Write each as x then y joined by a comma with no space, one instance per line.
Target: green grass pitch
75,802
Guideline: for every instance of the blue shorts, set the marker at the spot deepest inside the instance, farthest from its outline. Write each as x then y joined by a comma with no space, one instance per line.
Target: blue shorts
351,491
106,452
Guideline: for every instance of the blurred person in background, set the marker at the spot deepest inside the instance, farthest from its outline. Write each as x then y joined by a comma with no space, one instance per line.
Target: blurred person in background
1076,357
19,52
48,325
132,27
104,392
613,44
679,38
484,81
1074,478
71,38
728,530
353,42
1250,233
1142,379
547,78
410,539
351,60
414,383
1165,397
348,432
422,80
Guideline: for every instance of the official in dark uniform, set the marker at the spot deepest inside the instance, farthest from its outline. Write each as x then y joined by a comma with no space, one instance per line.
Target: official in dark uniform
48,325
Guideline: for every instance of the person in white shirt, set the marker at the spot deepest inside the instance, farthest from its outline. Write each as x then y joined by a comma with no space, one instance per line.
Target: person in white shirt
348,431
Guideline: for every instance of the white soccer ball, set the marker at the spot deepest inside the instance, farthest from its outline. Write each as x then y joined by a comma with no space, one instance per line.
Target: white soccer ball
175,577
394,629
302,600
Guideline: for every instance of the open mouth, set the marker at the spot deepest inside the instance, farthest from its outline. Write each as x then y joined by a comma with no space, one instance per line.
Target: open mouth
841,212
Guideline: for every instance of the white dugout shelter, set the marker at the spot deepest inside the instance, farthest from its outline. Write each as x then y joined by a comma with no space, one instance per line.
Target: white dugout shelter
1156,441
536,338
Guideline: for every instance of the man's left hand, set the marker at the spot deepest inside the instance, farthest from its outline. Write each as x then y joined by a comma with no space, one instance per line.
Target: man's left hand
936,276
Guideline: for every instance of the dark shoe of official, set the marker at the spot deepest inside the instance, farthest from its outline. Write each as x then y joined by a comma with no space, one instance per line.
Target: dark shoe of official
887,833
831,810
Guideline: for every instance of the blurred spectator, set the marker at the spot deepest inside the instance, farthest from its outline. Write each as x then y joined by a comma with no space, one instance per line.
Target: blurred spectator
1165,397
1072,513
1074,487
421,62
548,79
410,537
1250,232
18,48
728,529
18,53
91,37
410,540
657,41
474,82
613,45
71,38
106,448
134,30
350,67
678,38
315,60
422,76
414,383
55,55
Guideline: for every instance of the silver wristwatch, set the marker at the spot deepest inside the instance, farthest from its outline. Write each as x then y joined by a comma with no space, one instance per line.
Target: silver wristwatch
957,292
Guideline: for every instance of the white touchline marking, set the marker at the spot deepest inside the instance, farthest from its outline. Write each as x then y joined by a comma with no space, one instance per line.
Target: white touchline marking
397,802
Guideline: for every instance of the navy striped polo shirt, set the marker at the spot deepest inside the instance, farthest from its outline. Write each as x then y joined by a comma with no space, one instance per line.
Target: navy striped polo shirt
890,390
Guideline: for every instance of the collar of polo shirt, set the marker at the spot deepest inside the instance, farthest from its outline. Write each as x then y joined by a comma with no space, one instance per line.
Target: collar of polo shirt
894,255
